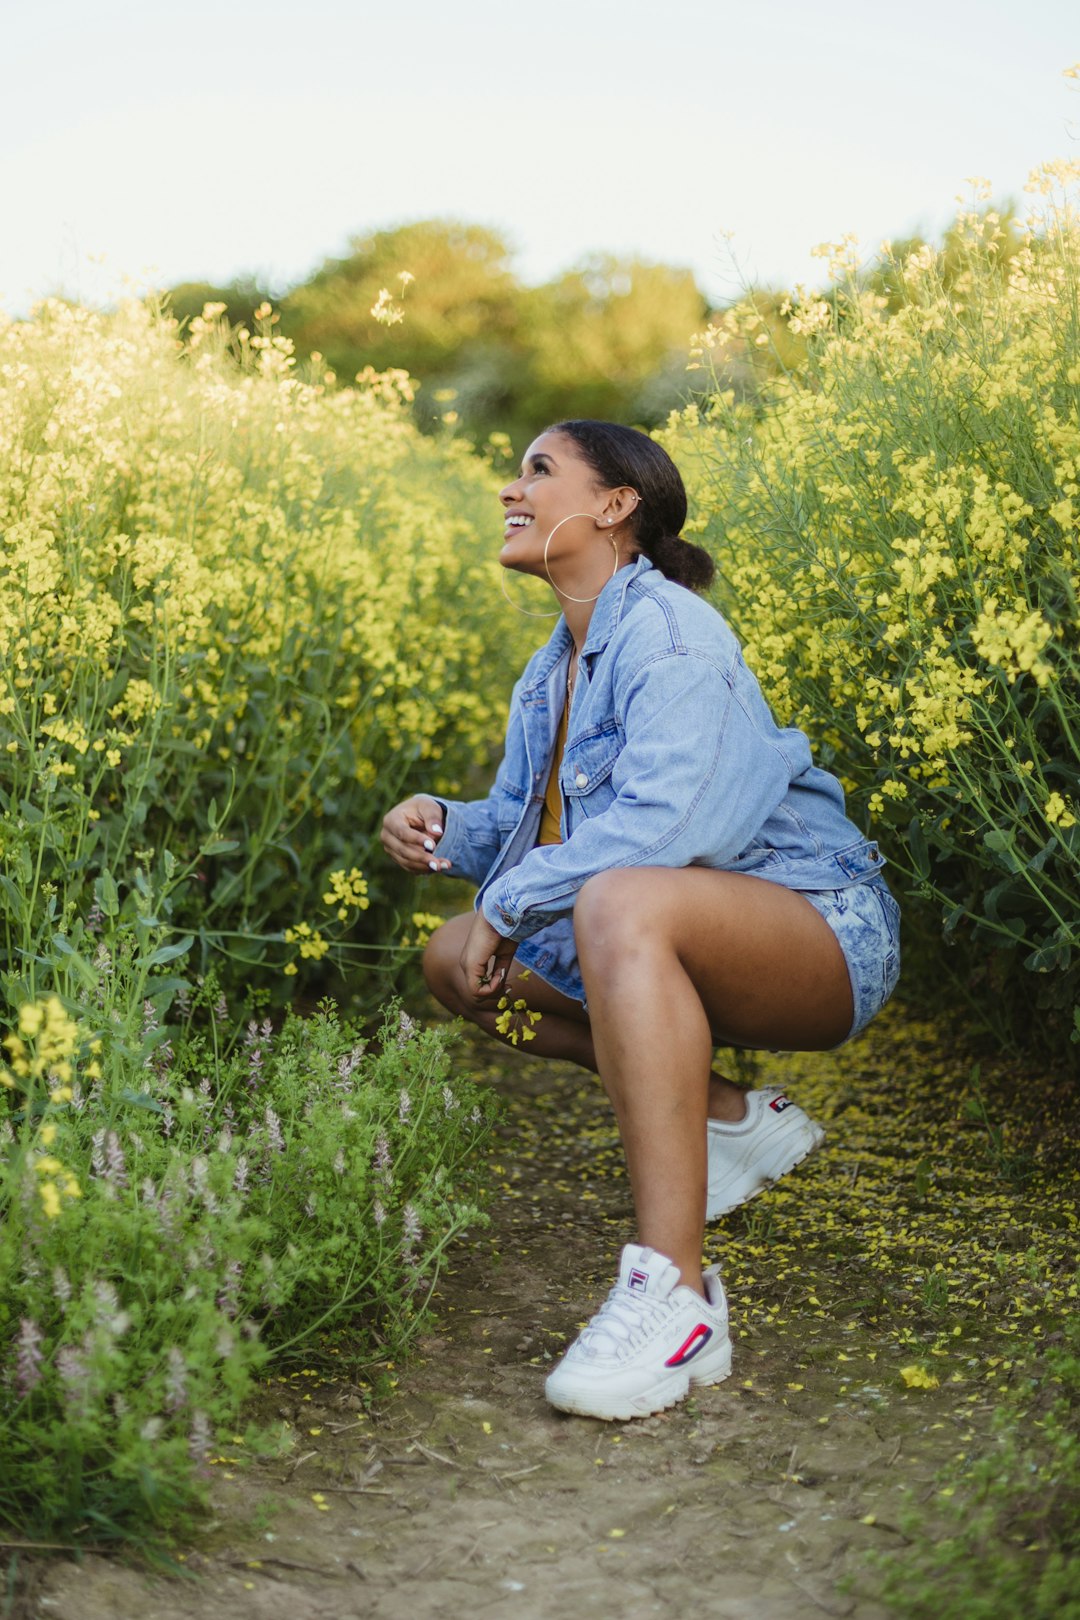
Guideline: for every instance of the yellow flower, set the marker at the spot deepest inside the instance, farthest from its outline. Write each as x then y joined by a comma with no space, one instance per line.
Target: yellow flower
50,1199
31,1018
1057,812
918,1378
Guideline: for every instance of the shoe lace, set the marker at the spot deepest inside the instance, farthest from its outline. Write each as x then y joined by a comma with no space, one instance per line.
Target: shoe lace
621,1318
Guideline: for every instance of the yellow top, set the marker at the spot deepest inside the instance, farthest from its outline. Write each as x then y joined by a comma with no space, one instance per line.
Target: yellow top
552,811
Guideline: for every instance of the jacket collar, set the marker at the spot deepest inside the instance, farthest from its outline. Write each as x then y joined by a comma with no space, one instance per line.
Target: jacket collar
609,610
611,604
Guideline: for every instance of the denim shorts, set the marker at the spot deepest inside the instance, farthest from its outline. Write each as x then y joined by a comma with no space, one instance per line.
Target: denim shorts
866,921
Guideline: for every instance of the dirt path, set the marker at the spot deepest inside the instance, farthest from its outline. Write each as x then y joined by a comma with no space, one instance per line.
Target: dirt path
463,1491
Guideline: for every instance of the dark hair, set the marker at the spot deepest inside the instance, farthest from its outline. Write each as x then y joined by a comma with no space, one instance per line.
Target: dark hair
621,455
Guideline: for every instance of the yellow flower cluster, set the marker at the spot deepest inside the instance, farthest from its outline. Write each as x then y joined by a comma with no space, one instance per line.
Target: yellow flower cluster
516,1019
47,1041
312,944
54,1039
425,923
1013,640
55,1181
347,893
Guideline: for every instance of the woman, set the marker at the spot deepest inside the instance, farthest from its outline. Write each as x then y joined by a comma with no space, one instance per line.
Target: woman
671,871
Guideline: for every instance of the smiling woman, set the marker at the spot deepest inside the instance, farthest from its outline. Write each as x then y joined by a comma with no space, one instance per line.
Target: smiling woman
660,867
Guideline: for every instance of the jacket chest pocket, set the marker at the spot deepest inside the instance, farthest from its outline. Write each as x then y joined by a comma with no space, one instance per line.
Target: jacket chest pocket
586,772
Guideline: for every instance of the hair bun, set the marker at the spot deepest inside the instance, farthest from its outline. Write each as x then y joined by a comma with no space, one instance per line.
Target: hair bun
681,560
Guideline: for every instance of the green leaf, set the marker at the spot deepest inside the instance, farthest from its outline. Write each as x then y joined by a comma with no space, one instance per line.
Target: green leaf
1037,862
953,918
169,953
161,987
13,892
139,1099
220,846
1001,844
63,947
920,855
1048,957
107,895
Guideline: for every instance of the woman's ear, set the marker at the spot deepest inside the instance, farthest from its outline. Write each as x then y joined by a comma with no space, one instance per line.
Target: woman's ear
620,504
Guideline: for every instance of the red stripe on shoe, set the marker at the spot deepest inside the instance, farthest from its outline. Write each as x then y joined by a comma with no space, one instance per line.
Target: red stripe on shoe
697,1340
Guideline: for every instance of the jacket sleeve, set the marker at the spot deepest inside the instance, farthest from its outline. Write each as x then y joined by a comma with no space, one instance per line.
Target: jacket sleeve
472,836
693,782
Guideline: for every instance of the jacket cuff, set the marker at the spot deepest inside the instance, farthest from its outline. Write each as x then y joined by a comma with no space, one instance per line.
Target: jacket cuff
453,844
505,918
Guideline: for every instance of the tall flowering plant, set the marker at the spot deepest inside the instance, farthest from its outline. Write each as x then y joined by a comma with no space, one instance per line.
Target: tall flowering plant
897,526
242,611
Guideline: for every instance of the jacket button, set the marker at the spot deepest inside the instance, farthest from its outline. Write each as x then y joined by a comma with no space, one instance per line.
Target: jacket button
581,780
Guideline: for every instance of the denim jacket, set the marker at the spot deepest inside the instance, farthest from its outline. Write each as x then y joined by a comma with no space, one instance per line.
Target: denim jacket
672,758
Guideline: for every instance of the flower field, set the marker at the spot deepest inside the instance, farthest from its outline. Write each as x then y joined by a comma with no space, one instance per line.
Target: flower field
238,611
243,611
897,526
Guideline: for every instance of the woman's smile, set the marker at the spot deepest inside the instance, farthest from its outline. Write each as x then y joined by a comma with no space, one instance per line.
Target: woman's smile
516,521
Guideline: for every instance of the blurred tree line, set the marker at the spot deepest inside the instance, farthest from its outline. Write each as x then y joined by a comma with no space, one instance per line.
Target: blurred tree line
606,338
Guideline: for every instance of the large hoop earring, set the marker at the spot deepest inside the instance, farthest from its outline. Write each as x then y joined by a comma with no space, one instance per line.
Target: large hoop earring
529,613
564,594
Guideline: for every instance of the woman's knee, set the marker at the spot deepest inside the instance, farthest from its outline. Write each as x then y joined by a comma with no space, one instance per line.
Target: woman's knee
441,963
612,910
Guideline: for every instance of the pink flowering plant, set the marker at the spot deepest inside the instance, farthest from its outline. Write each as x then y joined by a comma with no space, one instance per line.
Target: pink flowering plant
178,1216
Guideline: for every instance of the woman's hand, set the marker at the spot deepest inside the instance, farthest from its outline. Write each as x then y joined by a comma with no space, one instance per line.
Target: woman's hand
410,832
485,960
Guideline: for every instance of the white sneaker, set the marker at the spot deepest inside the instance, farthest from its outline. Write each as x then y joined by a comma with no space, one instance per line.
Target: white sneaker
751,1154
650,1340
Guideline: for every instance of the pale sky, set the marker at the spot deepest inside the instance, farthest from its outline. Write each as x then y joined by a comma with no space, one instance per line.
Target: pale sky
201,141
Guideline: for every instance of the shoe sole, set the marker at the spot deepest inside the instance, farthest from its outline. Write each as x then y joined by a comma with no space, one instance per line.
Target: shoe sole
758,1180
649,1402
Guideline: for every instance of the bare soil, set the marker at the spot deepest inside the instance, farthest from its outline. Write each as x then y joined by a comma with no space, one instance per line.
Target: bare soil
461,1491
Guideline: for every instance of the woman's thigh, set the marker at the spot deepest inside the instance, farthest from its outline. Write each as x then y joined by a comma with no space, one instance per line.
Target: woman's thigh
442,970
766,966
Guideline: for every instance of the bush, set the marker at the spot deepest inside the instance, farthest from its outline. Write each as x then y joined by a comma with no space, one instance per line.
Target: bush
241,614
174,1223
898,535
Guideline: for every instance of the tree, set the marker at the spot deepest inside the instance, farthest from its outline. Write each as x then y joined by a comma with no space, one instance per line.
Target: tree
241,298
609,338
458,307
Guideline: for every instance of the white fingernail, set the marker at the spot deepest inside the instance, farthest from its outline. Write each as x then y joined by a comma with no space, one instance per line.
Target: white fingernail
436,829
428,845
434,865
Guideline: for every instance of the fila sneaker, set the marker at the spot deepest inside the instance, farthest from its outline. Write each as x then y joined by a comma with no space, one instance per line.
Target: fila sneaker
650,1340
752,1153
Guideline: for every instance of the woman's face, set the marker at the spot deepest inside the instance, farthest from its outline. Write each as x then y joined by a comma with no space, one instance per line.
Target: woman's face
557,483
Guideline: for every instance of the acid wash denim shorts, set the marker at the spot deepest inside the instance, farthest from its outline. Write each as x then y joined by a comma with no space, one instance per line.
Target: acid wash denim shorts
866,921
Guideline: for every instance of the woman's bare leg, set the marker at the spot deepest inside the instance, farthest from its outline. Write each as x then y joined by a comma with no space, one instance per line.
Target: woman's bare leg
563,1028
670,959
563,1031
